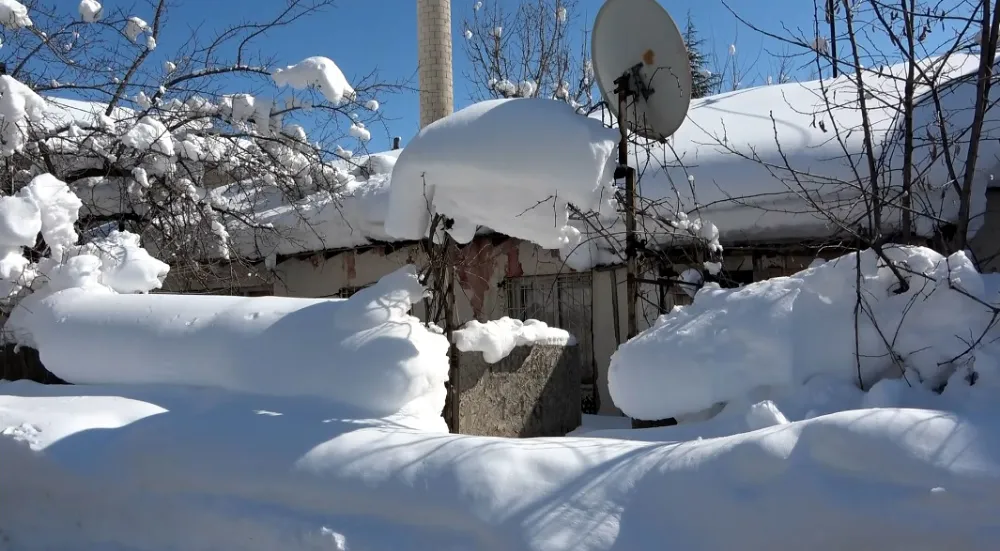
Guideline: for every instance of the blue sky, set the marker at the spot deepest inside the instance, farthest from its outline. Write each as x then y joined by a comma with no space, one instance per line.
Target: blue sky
361,35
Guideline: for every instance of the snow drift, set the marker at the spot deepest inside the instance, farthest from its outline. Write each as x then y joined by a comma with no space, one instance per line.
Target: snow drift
783,331
263,473
272,423
366,352
514,166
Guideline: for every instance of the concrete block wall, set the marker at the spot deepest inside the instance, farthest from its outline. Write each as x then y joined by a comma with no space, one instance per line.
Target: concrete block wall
533,392
434,59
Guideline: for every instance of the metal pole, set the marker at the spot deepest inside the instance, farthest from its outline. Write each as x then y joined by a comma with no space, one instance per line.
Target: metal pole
631,286
830,5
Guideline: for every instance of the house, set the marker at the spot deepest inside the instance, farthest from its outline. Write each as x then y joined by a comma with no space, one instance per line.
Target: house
762,165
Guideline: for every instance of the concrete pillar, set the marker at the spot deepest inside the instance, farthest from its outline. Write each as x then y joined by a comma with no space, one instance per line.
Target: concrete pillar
434,58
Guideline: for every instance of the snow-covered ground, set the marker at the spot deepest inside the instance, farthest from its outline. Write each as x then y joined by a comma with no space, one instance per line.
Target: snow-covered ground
164,454
116,467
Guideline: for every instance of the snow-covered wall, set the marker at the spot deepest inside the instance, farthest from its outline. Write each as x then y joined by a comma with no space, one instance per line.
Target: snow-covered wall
366,352
482,295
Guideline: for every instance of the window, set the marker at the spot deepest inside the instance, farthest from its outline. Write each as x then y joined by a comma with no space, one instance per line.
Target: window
563,301
348,291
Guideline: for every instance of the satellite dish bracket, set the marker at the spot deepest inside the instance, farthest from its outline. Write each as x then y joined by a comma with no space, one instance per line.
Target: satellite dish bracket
631,82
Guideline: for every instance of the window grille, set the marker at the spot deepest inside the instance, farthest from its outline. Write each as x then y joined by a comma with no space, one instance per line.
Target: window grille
348,291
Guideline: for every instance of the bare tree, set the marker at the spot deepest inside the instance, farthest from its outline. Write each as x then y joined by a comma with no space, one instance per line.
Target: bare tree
905,123
532,48
184,152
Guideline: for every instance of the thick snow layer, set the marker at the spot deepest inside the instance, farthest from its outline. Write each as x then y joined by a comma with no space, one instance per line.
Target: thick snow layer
158,468
366,352
716,194
514,166
90,11
14,15
63,112
782,332
320,73
497,338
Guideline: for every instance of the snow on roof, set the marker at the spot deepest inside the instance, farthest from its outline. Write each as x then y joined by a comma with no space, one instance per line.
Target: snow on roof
514,165
62,112
353,216
726,160
724,165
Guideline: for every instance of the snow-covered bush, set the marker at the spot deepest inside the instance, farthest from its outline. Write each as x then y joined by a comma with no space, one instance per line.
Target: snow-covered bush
38,236
852,319
172,146
40,218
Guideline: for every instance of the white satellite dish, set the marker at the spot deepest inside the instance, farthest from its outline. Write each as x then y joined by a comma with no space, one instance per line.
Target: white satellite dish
643,71
640,58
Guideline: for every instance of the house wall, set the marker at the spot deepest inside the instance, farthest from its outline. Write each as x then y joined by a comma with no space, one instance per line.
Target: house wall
484,267
486,264
986,244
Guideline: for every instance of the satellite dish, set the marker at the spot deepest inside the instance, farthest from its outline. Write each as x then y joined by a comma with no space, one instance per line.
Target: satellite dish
636,44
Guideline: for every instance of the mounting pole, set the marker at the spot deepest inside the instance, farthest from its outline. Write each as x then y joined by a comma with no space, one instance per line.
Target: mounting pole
624,90
830,10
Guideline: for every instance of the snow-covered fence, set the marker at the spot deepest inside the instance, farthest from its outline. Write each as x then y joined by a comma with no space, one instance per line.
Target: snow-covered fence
518,379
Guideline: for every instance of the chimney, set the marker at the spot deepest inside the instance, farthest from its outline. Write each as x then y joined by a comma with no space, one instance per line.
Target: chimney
395,143
434,59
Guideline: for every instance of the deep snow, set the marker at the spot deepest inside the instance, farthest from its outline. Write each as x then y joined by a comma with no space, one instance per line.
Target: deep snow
782,332
308,448
512,165
367,353
125,467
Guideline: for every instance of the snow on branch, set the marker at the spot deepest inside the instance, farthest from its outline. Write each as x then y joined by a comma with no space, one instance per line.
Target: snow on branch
188,150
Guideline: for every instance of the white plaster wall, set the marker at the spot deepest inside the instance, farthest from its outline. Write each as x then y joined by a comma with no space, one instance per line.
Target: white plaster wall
986,244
